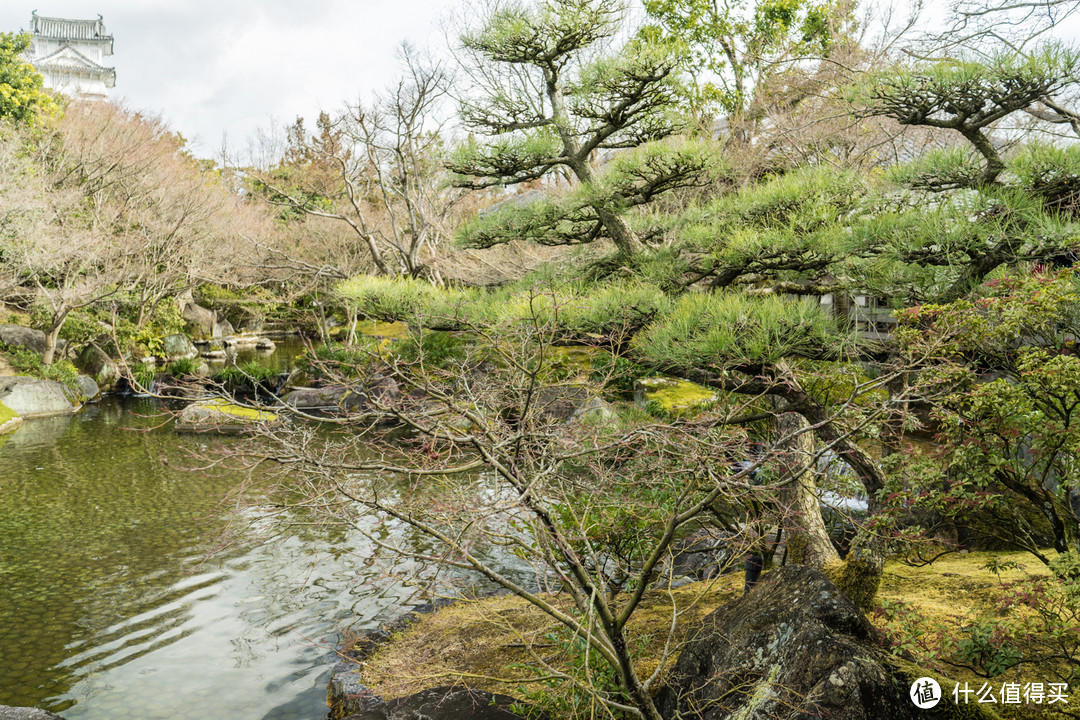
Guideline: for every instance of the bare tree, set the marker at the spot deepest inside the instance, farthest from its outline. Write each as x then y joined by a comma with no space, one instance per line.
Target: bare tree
377,168
118,210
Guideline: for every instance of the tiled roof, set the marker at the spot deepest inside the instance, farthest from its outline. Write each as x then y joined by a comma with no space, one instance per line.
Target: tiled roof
66,29
67,60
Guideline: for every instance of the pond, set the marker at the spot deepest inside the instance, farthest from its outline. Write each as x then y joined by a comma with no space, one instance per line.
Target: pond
119,600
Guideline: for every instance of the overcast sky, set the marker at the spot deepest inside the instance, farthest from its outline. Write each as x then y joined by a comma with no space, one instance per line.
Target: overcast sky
227,66
211,67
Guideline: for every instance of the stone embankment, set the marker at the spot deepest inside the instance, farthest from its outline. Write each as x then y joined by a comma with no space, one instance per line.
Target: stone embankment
8,712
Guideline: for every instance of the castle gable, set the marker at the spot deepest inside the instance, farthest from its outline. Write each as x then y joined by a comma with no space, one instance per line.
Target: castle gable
69,54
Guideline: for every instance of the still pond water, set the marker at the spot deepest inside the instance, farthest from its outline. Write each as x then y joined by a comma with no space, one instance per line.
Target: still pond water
116,601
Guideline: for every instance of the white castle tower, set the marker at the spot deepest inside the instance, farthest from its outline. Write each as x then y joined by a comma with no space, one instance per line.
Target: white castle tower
70,55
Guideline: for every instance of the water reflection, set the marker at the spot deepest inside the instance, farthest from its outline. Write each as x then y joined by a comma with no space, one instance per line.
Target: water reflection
109,606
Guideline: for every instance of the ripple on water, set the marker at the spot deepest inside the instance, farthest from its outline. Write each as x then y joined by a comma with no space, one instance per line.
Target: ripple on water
112,606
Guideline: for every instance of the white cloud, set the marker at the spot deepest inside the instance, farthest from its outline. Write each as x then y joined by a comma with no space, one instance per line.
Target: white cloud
227,66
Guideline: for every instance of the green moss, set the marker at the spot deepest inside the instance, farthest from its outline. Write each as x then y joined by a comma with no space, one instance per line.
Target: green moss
857,577
374,328
671,396
482,643
240,412
9,420
796,550
574,358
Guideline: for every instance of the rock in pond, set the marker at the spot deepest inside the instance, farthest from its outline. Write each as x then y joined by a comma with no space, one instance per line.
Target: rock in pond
178,346
340,398
94,362
221,417
446,703
793,647
9,420
30,397
8,712
88,389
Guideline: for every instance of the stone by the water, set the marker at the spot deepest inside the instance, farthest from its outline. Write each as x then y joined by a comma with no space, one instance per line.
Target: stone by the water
221,417
794,647
32,398
447,703
88,388
178,346
8,712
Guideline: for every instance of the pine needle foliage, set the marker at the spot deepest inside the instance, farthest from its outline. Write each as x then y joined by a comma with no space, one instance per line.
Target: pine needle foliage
720,330
1051,172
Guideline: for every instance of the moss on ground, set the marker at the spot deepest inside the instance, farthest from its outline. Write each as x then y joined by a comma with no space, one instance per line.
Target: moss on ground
373,328
954,586
484,644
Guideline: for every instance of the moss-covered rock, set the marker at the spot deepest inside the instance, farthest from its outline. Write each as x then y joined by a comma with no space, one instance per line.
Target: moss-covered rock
219,416
793,647
9,420
666,396
857,577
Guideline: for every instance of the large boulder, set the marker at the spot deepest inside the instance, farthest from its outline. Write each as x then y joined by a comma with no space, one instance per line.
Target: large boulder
24,337
446,703
26,713
793,647
200,321
31,398
98,365
29,338
178,346
339,398
221,417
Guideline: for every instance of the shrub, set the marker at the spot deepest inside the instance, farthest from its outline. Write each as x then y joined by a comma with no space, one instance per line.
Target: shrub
28,362
183,367
142,375
249,375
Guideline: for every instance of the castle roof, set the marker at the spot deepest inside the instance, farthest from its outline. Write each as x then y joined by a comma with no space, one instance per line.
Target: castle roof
68,29
67,60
